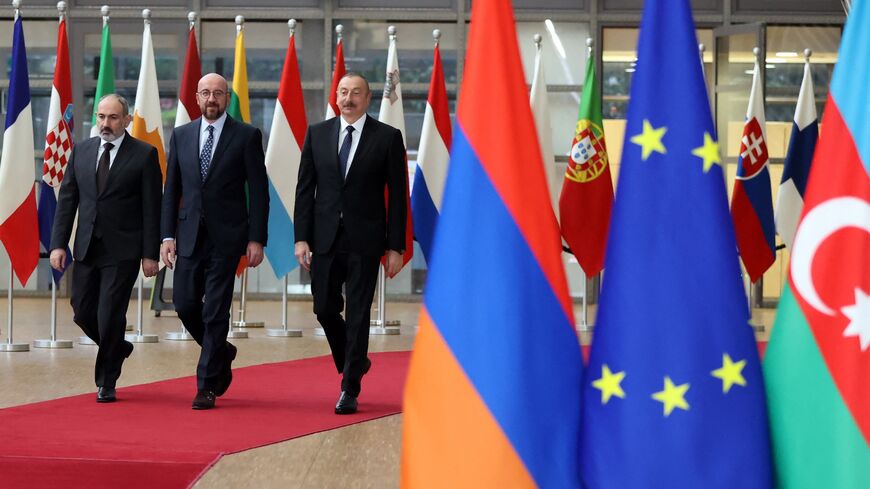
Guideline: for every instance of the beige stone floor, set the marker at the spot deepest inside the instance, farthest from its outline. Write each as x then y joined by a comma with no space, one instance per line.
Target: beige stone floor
369,451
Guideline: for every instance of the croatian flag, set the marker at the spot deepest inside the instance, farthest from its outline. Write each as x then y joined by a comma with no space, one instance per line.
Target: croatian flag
282,162
58,143
751,202
432,159
804,134
483,405
19,228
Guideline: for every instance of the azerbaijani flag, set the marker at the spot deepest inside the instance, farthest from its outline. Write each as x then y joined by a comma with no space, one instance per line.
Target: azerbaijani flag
484,406
817,366
432,159
147,116
105,75
58,143
282,162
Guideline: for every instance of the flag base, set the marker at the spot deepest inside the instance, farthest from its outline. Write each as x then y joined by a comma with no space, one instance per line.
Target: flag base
142,338
284,333
237,335
248,324
178,336
10,347
384,330
53,344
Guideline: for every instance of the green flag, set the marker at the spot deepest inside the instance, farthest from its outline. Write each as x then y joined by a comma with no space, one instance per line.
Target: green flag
106,76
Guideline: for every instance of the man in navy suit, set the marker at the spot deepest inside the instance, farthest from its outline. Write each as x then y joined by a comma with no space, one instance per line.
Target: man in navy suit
344,226
208,224
113,181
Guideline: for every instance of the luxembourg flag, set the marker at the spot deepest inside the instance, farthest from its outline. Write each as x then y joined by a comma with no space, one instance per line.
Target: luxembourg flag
483,405
432,159
282,161
337,73
804,134
751,203
393,113
147,118
19,229
58,142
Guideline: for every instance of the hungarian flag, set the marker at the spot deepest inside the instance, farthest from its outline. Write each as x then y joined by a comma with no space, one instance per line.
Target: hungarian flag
804,134
147,118
393,113
541,112
817,366
105,75
19,229
188,109
58,143
587,192
751,202
432,160
337,73
289,125
239,108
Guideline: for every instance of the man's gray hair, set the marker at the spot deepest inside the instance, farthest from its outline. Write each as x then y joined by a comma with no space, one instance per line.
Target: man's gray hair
125,106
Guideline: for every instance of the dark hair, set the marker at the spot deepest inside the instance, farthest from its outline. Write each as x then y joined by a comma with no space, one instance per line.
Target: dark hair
354,74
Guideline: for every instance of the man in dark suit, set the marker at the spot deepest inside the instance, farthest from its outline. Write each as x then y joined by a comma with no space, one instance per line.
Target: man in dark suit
113,181
208,224
344,226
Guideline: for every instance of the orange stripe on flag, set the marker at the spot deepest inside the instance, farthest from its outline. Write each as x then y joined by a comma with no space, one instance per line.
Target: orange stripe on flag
153,138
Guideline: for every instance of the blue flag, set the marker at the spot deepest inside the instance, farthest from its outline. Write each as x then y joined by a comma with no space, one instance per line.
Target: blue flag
673,396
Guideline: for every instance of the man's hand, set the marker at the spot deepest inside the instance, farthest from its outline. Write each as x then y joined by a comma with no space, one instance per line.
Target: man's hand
254,254
167,253
150,267
303,254
393,264
58,259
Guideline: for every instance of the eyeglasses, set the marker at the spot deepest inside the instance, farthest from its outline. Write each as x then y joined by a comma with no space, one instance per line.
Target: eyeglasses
208,93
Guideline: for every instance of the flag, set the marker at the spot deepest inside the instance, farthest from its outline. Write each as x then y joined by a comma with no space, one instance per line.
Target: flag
393,113
188,108
587,191
147,117
432,158
105,75
804,134
483,405
289,125
817,367
751,203
58,143
19,228
337,73
239,108
541,111
673,394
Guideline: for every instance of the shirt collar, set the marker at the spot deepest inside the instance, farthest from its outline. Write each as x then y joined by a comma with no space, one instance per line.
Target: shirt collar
357,126
218,124
116,143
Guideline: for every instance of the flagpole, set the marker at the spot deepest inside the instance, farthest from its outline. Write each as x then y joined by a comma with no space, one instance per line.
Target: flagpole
52,341
284,332
380,325
9,345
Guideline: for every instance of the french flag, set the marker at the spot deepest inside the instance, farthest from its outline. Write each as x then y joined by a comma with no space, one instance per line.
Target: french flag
58,143
751,202
804,135
432,160
19,229
483,405
282,162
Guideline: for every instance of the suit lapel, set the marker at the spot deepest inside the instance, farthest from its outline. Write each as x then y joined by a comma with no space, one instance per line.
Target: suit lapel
121,159
333,147
87,165
363,146
227,134
191,140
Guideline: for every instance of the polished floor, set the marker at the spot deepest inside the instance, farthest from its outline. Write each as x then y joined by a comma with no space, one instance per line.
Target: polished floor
365,455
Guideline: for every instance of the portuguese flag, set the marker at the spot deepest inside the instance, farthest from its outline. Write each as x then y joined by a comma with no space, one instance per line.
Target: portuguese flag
817,367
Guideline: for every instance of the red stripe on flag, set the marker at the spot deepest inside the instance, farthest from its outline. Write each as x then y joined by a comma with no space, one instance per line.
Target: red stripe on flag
190,77
337,73
290,94
438,101
756,254
20,235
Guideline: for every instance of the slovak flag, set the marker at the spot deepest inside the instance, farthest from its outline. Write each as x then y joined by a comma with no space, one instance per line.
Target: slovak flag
337,73
289,125
432,160
58,143
751,202
19,229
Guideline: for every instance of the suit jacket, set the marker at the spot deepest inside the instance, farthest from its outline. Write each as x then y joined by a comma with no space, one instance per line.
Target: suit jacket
219,202
125,215
323,196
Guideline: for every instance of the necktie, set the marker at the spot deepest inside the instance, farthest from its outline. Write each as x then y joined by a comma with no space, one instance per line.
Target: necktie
344,152
205,156
103,167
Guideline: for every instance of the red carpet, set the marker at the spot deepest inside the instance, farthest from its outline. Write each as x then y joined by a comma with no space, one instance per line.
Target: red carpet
151,438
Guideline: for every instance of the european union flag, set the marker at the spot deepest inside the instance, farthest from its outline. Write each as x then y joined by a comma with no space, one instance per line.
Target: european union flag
673,396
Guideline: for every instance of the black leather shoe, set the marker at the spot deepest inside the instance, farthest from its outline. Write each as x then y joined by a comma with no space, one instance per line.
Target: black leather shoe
227,375
129,349
367,367
204,399
346,404
106,394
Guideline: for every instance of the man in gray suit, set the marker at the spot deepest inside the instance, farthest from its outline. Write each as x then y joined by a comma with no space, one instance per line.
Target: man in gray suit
114,183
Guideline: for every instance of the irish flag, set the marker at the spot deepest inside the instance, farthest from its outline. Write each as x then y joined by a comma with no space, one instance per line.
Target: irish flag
106,73
817,368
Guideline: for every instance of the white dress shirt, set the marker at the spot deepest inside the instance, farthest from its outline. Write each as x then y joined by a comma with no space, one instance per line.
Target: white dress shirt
357,134
203,133
112,153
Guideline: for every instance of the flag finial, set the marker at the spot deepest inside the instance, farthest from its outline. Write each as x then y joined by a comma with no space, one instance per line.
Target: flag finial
391,30
104,11
61,9
16,5
191,17
146,15
339,29
537,38
807,54
292,25
240,23
589,44
436,34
